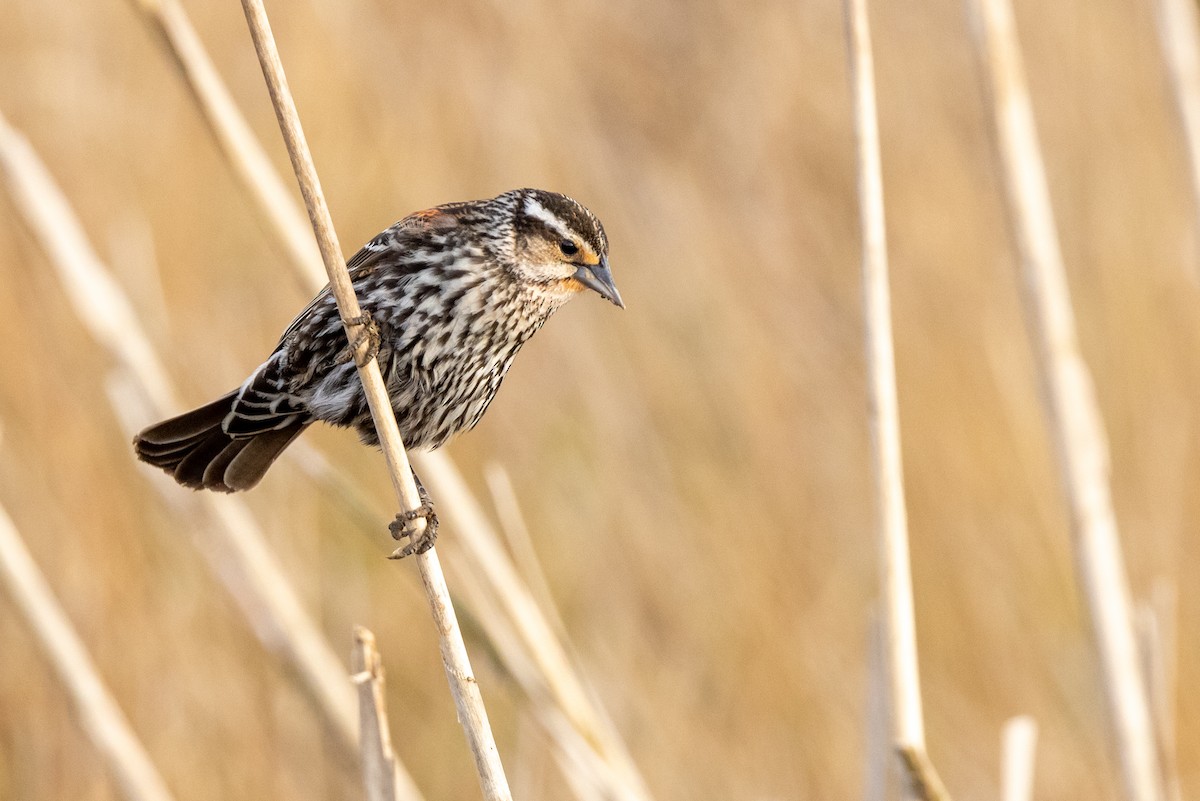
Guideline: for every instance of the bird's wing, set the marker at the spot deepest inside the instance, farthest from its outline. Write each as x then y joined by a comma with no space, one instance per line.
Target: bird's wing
263,404
397,237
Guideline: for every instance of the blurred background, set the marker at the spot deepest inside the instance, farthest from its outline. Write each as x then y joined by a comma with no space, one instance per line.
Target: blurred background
694,470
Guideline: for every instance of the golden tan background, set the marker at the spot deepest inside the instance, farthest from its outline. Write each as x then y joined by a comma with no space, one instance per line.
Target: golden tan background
694,469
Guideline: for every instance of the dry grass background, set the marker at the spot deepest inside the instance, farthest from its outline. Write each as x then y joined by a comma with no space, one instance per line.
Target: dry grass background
694,470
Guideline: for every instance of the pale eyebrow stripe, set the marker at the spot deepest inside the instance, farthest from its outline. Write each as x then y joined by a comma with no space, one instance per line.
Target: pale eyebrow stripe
537,210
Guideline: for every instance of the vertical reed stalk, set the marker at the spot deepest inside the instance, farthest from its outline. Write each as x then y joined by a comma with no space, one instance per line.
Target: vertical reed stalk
379,761
1071,408
235,138
1156,621
898,621
877,752
463,686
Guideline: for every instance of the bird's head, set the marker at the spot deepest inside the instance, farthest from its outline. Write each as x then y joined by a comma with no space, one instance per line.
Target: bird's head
560,246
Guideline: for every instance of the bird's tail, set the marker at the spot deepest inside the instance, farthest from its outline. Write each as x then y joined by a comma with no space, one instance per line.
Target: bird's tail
198,453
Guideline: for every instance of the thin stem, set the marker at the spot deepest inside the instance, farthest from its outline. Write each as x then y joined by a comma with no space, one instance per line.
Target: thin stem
1156,641
463,686
379,761
235,138
922,776
484,558
878,750
899,625
520,542
102,719
1071,407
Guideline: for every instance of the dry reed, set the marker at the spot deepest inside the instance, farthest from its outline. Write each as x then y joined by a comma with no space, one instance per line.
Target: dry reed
463,686
1156,623
238,143
379,761
102,719
899,632
526,639
1071,409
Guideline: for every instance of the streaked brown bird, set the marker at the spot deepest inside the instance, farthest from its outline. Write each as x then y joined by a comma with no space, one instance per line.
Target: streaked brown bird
452,293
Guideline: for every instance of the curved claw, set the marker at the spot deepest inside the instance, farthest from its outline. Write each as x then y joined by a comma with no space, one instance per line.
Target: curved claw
368,335
403,527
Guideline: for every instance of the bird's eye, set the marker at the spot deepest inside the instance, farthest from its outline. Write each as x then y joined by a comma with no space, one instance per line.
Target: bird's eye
568,247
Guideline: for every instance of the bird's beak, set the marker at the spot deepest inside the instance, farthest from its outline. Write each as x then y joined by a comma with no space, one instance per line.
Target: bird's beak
598,278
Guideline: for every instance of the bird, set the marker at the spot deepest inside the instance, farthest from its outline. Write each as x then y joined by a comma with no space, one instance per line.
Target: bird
449,295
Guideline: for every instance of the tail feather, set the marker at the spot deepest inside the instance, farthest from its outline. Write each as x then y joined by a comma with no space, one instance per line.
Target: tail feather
198,453
187,427
193,463
248,466
214,472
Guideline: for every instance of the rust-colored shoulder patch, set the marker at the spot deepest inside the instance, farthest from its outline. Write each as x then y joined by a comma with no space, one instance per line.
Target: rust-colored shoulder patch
430,219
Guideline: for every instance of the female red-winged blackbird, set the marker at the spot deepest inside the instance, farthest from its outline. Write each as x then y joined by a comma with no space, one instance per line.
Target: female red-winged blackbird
453,292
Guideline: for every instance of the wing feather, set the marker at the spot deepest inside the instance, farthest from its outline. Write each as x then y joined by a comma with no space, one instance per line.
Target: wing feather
399,236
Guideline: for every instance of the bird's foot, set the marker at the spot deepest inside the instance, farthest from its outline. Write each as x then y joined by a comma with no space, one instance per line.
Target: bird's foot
368,335
404,526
